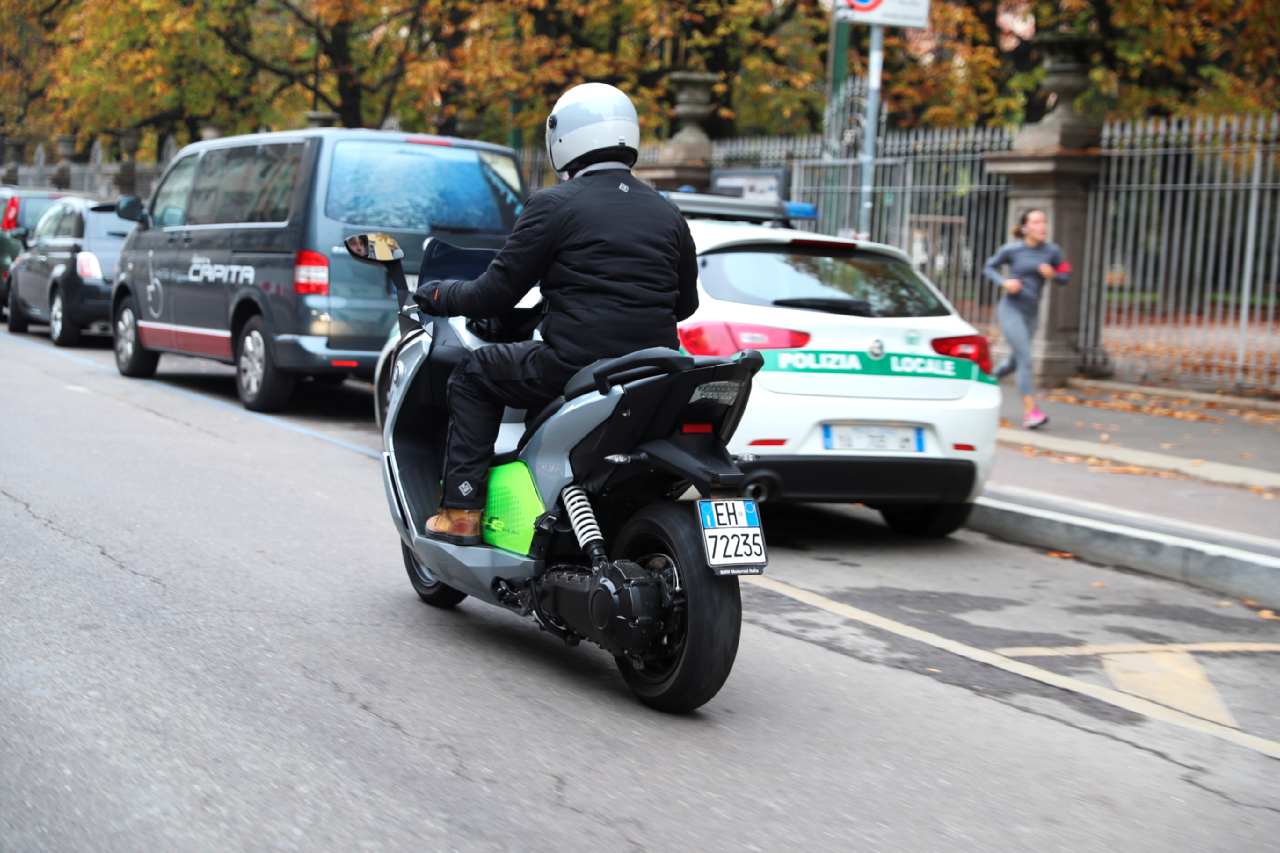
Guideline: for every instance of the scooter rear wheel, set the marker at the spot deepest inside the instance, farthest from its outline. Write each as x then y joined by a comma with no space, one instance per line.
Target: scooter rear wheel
433,592
664,537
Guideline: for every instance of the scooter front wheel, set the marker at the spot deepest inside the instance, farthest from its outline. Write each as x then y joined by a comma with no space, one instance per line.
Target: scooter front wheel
690,658
434,592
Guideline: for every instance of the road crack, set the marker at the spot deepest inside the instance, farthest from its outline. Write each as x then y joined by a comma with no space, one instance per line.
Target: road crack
102,550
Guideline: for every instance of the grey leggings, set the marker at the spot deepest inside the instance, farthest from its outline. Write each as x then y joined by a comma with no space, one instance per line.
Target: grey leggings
1017,328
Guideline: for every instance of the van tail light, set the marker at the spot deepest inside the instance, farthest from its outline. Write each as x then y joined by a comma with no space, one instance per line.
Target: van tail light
972,347
87,266
10,215
725,339
310,273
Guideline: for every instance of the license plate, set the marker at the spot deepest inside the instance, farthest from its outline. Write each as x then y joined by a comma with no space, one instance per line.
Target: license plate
885,438
733,537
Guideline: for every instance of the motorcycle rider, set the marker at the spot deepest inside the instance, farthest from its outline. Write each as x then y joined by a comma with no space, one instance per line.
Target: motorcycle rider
617,268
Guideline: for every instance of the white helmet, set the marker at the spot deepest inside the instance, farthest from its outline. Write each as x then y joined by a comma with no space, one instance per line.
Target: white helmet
592,123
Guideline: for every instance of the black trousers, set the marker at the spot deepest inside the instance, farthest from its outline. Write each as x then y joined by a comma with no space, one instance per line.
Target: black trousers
526,375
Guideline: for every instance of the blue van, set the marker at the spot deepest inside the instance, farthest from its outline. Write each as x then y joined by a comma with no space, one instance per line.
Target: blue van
238,256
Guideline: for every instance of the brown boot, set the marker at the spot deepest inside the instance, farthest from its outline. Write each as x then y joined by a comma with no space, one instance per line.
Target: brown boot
456,526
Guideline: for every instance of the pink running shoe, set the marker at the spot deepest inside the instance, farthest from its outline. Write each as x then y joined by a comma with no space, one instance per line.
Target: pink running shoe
1035,420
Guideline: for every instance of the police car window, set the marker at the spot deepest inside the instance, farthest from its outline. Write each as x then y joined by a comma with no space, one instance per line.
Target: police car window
861,284
47,224
274,174
421,187
169,205
71,225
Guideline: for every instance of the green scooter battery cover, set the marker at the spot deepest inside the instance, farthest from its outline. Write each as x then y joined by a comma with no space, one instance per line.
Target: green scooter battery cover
512,507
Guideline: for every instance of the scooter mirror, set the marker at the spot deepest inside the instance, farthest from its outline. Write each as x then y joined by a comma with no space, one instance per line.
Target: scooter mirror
374,248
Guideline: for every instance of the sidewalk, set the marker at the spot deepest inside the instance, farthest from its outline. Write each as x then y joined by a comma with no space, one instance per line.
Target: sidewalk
1122,477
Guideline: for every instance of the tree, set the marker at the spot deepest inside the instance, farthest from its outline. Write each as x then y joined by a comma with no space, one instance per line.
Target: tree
26,48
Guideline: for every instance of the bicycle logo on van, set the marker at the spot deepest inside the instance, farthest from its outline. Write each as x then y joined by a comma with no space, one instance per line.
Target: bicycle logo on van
204,269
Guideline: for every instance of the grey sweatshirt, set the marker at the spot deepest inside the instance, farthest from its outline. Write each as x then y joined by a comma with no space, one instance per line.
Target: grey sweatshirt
1024,262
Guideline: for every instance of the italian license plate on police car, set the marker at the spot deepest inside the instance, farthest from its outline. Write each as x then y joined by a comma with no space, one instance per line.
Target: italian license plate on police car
892,439
733,537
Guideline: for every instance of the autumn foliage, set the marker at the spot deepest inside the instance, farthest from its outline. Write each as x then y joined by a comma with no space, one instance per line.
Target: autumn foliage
490,68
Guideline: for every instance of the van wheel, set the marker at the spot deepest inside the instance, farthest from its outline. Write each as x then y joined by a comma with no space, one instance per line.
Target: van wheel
132,359
930,521
262,386
17,319
63,331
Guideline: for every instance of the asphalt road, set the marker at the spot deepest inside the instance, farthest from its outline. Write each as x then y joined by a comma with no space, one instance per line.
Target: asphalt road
207,642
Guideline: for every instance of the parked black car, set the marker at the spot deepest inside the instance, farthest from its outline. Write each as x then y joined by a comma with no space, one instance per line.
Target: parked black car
239,255
22,209
64,276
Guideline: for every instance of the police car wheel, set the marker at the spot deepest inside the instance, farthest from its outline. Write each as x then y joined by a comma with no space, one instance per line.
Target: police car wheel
262,386
132,359
930,521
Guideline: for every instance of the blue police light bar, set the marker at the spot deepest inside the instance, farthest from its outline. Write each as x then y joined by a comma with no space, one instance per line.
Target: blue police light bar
801,210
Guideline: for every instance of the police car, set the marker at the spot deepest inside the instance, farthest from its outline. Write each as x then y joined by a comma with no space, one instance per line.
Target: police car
874,390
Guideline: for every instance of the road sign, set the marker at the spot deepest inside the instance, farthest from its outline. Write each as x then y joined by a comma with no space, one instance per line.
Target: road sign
885,13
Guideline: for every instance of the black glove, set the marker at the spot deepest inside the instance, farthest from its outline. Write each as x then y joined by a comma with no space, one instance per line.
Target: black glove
429,297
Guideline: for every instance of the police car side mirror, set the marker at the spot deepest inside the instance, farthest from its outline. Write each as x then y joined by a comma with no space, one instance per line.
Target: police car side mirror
380,249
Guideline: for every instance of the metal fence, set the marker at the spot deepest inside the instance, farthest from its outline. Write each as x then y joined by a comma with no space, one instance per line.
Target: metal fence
1182,270
94,177
934,199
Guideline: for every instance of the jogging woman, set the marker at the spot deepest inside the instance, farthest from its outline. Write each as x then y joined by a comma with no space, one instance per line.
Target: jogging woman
1031,261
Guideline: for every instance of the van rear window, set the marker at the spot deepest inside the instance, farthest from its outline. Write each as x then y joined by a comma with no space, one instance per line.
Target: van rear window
405,185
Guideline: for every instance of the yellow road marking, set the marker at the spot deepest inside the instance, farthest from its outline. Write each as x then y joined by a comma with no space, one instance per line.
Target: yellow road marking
1127,648
1169,678
1136,704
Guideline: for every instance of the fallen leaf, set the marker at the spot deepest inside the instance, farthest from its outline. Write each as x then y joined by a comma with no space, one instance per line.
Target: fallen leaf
1249,602
1197,461
1216,431
931,669
1098,584
1224,604
1268,496
1246,455
1169,446
1079,424
1061,555
260,550
1117,469
1269,614
1104,437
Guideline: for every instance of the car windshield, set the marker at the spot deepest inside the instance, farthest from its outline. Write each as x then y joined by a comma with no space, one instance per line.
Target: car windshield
816,278
407,185
31,209
105,225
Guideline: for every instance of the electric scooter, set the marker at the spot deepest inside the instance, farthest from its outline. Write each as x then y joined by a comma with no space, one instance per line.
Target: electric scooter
584,529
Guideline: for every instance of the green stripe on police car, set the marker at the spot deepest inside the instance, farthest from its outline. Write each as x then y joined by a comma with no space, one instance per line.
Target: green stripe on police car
901,364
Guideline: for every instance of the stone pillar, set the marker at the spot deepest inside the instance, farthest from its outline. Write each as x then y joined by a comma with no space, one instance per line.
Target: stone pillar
320,118
210,131
14,149
66,143
127,176
1051,167
685,158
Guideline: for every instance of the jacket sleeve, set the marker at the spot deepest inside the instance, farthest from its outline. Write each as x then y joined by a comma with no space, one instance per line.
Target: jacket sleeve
1062,269
520,265
991,269
687,302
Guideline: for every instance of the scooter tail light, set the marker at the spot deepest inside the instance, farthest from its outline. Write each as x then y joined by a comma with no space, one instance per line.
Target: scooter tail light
10,220
87,266
310,273
725,339
972,347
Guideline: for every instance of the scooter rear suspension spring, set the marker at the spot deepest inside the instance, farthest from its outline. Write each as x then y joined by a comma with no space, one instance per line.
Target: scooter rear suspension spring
582,518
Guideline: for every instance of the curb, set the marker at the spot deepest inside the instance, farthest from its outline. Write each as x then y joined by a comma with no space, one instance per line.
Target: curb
1213,472
1227,401
1230,571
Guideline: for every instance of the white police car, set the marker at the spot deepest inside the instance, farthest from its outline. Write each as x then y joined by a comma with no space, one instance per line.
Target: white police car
873,391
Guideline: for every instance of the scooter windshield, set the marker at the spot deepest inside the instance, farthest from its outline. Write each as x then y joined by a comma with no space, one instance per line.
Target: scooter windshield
442,261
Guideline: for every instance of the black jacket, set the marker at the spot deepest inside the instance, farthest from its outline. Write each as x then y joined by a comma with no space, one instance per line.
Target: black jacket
616,262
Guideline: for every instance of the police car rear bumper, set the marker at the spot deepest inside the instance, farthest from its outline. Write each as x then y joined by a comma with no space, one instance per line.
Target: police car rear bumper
312,354
872,480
